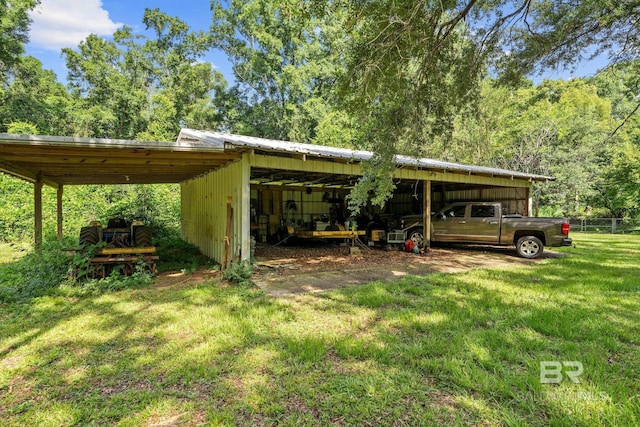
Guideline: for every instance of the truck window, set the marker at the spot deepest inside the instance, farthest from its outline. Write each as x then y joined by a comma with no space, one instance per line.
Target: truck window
455,212
483,211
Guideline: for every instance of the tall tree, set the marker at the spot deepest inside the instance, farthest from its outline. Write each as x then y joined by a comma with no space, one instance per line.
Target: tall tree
285,55
14,29
138,87
417,64
32,95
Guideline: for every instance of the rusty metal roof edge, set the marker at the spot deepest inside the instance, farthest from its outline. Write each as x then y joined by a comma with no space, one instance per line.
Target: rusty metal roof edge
66,141
348,154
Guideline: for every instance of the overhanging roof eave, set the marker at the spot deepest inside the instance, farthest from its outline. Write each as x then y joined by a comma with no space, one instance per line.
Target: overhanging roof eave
277,146
71,142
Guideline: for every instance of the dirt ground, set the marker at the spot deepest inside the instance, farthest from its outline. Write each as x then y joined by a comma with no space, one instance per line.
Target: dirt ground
291,270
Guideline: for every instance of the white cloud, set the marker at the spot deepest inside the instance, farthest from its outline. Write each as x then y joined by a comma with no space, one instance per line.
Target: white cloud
65,23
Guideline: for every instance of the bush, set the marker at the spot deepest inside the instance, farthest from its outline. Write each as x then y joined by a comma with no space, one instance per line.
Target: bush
238,272
116,281
35,274
177,255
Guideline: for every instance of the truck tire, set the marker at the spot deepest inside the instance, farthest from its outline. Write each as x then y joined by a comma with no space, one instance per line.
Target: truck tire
142,237
417,235
529,247
89,236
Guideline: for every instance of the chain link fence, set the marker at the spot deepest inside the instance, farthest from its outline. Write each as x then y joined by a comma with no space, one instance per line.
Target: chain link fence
606,225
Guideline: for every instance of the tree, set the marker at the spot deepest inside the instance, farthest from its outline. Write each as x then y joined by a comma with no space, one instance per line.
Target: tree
554,129
112,83
32,95
285,55
618,188
416,65
14,27
554,33
147,88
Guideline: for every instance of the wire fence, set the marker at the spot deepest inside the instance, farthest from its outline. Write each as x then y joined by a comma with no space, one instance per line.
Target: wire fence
606,225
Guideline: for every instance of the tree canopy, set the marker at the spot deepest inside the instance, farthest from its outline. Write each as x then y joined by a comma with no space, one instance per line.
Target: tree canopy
14,28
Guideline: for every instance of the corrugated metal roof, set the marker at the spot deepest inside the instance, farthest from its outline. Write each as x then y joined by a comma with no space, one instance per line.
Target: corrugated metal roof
220,140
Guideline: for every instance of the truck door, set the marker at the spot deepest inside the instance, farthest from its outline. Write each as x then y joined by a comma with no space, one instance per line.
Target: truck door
482,223
445,225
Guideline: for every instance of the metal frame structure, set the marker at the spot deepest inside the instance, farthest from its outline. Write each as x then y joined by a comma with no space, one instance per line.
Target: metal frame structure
216,172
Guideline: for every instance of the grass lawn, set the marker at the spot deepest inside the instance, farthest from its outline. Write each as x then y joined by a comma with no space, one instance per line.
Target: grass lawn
10,253
444,349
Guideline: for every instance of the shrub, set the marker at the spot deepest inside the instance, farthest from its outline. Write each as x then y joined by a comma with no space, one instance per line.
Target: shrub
177,255
238,272
116,281
35,274
43,273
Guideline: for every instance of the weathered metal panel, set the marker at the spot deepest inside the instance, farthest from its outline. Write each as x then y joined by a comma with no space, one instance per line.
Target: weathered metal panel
204,210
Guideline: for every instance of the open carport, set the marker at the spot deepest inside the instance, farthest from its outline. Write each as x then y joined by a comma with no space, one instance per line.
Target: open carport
235,186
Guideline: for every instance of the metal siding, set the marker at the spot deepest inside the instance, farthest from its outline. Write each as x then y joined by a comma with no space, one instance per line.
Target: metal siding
204,210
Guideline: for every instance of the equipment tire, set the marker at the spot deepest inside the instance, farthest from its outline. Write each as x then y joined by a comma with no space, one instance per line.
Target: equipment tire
142,237
89,236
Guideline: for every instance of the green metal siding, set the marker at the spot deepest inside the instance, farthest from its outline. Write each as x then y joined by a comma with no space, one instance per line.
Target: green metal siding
204,210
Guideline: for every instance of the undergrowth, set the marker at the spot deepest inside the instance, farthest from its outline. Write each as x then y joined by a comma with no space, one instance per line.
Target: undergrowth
35,274
238,272
177,255
45,272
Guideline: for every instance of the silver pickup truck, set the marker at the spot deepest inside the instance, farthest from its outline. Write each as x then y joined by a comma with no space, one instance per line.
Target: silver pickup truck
484,223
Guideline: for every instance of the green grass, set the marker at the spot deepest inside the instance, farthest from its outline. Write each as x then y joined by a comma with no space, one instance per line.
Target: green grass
445,349
10,253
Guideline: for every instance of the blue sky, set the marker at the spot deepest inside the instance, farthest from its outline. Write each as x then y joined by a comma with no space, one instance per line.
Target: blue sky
64,23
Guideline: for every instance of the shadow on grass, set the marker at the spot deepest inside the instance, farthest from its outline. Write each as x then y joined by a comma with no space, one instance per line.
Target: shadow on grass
441,349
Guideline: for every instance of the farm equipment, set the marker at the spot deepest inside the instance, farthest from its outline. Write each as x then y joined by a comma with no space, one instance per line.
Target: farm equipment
120,245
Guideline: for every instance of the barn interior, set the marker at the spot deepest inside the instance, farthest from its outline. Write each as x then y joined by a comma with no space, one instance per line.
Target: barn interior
316,202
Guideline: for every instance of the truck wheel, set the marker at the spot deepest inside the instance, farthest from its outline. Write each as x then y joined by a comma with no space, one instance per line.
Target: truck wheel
142,236
529,247
89,236
417,237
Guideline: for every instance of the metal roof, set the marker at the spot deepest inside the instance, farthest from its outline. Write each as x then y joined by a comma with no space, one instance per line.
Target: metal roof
58,160
61,160
222,140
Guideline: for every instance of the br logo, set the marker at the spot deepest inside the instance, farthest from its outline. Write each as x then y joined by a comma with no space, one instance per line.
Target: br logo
551,371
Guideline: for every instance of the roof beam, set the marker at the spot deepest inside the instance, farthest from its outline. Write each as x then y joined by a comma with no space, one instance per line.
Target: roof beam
25,174
103,160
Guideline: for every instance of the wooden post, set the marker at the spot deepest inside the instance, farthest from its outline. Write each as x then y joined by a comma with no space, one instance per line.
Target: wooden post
59,203
228,238
426,198
529,203
37,202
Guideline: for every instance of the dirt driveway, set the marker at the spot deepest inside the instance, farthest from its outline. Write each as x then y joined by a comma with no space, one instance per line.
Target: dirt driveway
285,271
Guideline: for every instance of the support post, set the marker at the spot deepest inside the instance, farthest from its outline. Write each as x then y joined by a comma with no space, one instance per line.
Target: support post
244,233
228,239
37,203
59,204
529,203
426,198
